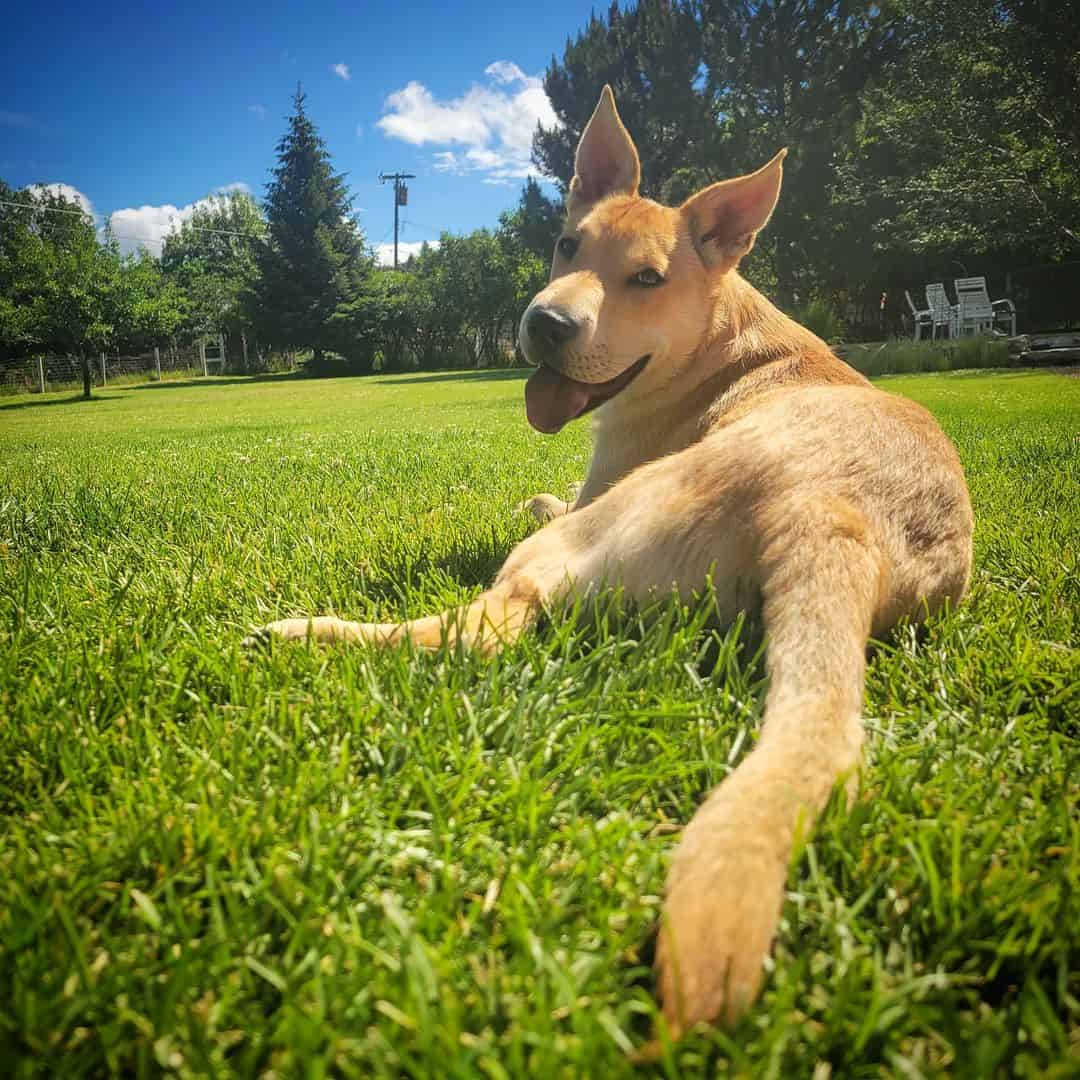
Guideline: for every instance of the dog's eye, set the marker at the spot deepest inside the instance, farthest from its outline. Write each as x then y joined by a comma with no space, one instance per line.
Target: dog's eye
648,276
567,246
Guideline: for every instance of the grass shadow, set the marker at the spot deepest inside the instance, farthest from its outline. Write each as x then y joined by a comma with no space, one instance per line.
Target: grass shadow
484,375
219,380
78,399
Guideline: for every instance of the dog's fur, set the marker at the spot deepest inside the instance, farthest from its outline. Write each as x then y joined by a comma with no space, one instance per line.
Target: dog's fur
743,445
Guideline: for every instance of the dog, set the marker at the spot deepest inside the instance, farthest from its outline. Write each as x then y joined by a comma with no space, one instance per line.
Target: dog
728,441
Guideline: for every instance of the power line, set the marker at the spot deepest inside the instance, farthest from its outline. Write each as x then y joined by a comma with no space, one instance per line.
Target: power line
413,223
37,208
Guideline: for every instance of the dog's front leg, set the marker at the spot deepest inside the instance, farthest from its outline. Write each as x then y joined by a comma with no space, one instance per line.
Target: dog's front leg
493,619
545,507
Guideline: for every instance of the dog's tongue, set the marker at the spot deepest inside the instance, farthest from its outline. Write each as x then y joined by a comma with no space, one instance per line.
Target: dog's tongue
552,400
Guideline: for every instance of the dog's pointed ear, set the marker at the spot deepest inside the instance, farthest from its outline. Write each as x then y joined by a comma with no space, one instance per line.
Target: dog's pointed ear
725,217
607,160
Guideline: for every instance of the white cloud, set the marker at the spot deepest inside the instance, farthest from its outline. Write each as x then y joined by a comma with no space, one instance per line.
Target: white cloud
342,71
505,71
384,253
258,110
148,226
72,194
494,123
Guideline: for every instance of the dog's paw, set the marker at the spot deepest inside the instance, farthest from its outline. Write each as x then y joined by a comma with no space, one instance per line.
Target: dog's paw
258,639
543,507
283,630
719,919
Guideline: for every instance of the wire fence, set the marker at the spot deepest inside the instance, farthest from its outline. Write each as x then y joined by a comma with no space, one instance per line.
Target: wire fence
46,374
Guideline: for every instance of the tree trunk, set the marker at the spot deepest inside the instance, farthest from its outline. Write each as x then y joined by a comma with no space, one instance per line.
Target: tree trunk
84,363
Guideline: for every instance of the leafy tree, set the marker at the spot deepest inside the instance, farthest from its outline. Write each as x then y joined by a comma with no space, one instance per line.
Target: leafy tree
922,139
651,55
313,271
68,280
959,163
148,306
790,73
16,283
213,261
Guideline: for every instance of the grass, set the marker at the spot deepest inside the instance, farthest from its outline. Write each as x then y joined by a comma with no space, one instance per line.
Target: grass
381,864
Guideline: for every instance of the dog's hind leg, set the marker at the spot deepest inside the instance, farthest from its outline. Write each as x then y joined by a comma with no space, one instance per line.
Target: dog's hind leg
824,584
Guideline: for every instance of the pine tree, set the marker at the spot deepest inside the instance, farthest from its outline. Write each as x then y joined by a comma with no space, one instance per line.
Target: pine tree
313,270
534,223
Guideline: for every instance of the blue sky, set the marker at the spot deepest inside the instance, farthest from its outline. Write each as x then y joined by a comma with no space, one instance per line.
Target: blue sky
145,110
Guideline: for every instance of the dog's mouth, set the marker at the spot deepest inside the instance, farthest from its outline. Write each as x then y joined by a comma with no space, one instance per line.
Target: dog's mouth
552,399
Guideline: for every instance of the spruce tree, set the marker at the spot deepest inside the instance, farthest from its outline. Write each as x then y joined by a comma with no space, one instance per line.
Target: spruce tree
535,222
313,269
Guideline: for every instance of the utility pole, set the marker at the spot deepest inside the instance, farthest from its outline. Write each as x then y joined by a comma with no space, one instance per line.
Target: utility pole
401,198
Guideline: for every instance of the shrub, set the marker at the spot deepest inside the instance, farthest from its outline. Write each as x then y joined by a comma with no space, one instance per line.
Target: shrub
819,317
905,357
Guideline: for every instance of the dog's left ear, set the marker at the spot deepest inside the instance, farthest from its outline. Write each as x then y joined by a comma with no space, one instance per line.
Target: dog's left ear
725,218
607,160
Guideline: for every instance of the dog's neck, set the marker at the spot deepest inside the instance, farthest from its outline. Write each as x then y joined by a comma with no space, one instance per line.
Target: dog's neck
749,349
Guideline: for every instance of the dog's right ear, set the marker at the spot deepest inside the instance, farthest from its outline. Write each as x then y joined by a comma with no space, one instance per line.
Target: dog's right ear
607,160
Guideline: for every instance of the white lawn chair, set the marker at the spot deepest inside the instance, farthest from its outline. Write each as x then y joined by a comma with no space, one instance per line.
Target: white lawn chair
978,312
941,311
923,320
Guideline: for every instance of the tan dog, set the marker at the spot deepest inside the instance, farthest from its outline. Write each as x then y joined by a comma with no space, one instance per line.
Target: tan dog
727,438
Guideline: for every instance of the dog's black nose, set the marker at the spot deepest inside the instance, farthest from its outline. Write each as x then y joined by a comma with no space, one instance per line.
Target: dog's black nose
551,325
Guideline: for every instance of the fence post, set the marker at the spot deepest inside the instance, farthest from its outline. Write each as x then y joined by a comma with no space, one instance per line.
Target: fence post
41,372
157,362
202,354
243,345
104,377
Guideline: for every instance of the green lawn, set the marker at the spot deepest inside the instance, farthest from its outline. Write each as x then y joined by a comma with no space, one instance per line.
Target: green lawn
345,862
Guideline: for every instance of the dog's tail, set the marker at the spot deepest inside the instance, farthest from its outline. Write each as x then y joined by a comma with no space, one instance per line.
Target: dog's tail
822,588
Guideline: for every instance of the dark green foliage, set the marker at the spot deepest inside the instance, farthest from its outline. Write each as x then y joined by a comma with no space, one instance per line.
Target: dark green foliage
534,224
312,271
926,142
651,55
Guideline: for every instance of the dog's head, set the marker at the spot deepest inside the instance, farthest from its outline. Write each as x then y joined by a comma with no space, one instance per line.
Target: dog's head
633,283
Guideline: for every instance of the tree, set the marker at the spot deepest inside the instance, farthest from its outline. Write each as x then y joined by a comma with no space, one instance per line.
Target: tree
213,260
16,281
651,55
714,88
960,163
66,280
61,287
148,306
312,272
534,224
